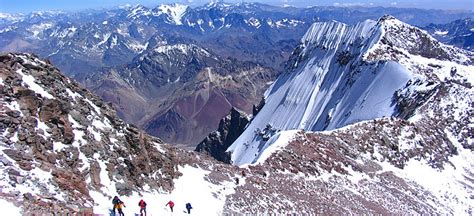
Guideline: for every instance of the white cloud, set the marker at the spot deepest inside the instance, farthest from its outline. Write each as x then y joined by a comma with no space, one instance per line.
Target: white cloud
348,4
393,4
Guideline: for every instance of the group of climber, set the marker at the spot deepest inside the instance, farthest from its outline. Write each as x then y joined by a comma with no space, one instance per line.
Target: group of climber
119,205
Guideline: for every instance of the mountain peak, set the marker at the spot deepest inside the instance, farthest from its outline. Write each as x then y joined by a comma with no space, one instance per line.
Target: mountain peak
218,4
386,17
399,39
174,12
138,10
343,74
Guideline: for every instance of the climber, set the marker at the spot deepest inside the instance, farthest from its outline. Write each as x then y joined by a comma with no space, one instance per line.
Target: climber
142,205
171,204
119,208
189,207
115,203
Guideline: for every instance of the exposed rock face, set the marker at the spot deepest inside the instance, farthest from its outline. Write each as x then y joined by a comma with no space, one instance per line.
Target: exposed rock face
218,141
65,142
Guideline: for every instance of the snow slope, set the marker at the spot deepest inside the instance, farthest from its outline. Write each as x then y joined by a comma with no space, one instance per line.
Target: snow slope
338,79
206,198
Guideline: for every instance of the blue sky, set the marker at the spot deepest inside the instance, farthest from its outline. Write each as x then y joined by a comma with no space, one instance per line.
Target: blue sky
25,6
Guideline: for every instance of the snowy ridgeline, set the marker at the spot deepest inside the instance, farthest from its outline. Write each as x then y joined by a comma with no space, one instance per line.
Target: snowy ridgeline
343,75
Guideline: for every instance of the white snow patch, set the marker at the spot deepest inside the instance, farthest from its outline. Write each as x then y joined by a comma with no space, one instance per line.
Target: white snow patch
74,95
58,146
14,106
38,28
102,125
96,108
96,134
30,81
41,125
9,209
174,11
441,32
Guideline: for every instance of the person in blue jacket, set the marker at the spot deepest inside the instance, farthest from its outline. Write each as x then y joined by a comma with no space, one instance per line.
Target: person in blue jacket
189,207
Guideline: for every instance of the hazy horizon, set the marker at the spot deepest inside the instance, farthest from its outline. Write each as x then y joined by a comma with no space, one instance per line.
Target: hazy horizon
27,6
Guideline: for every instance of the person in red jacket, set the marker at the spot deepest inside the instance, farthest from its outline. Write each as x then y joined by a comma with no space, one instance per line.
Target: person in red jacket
171,204
142,205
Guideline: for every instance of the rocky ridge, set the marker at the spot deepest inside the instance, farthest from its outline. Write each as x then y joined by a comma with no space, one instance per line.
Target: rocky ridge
217,142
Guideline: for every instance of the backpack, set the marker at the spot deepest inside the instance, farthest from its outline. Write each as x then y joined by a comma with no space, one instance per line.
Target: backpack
116,201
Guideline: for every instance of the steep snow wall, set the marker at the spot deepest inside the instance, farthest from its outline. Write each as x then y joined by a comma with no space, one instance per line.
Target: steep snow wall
330,86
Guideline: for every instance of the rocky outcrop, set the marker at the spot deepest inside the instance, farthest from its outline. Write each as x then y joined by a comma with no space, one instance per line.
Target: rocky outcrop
218,141
64,142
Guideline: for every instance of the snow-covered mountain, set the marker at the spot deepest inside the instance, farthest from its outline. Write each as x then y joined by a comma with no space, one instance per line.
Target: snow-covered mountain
89,43
344,74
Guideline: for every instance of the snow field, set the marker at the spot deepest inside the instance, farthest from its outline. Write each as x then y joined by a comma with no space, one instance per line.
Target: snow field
206,198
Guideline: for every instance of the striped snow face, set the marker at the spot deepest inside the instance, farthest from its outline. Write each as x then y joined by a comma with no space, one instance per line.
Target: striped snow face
345,74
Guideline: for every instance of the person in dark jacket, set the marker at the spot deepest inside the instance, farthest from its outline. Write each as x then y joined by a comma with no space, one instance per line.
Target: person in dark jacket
171,204
142,205
189,207
115,202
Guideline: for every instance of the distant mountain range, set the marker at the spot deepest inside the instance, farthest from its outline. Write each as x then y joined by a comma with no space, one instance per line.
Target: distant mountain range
149,61
459,33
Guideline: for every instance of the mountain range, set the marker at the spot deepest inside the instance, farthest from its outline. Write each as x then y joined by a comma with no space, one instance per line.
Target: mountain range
372,117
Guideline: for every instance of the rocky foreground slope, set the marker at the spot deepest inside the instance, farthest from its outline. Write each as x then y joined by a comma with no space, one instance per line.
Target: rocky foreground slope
63,150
